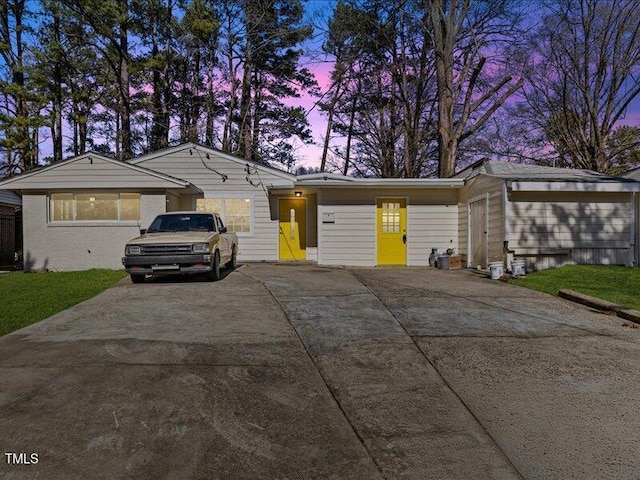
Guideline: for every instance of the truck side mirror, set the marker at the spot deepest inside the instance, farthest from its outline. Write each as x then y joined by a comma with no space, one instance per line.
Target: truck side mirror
143,231
223,229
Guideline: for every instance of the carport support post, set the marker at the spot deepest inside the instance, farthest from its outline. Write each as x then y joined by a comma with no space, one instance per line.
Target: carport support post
505,210
635,199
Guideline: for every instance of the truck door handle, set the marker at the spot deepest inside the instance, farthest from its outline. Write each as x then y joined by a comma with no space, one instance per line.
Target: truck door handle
404,238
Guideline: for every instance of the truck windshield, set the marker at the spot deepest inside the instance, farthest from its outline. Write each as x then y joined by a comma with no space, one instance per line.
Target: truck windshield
182,223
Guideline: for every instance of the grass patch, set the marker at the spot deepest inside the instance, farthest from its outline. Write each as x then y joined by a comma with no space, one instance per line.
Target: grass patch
30,297
619,285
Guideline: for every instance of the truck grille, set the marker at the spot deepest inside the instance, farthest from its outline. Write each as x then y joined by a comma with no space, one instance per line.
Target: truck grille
165,249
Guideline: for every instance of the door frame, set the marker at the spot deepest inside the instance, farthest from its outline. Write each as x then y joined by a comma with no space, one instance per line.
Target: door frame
478,198
306,228
375,210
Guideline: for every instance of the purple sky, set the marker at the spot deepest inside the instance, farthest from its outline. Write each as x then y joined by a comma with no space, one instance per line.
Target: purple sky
317,12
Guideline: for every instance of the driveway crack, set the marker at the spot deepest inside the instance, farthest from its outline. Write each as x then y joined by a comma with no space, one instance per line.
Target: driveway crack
324,380
444,380
479,301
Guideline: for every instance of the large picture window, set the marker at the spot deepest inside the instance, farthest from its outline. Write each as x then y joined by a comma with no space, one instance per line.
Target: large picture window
235,212
98,207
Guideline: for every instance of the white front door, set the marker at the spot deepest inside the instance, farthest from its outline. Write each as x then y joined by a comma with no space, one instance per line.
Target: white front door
478,234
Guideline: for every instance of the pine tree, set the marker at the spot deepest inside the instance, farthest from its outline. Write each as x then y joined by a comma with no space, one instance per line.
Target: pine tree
20,102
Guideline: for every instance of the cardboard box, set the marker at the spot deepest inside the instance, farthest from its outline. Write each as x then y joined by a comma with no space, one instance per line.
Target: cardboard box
455,262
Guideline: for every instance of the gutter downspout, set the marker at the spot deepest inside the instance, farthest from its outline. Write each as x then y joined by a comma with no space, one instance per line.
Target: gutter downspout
507,233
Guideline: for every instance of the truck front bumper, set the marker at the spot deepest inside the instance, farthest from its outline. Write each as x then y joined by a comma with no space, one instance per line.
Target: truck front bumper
167,264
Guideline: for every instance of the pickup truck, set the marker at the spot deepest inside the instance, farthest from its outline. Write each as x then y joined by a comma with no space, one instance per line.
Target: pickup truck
181,243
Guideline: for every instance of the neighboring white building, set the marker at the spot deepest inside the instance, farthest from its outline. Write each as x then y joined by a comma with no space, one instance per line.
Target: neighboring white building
635,175
79,213
547,216
9,228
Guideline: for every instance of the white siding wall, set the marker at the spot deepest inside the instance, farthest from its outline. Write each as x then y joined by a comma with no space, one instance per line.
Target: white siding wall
262,244
431,222
351,240
430,226
76,246
571,227
483,185
90,172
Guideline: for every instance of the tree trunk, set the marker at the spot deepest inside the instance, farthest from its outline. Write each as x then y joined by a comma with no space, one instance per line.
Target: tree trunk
233,85
195,99
352,116
18,79
56,129
82,135
210,111
75,135
245,106
325,146
443,44
156,98
126,151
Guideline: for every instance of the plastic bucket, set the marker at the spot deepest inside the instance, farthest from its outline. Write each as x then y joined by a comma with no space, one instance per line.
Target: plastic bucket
443,262
496,269
517,268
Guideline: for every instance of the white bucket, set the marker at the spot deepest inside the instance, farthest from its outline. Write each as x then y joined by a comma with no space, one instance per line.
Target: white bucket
517,268
496,269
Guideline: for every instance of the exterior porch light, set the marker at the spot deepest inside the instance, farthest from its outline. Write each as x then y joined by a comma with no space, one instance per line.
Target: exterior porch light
298,194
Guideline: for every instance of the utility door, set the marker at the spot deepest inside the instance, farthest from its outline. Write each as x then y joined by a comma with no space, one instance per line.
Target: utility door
293,229
478,233
392,231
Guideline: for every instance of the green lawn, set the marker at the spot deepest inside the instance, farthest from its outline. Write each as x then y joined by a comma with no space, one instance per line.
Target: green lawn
620,285
26,298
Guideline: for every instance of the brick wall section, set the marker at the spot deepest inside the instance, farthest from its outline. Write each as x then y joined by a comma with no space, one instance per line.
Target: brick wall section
75,246
7,235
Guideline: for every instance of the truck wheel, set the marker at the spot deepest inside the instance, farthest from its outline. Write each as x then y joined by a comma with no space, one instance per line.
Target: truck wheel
214,274
233,261
137,278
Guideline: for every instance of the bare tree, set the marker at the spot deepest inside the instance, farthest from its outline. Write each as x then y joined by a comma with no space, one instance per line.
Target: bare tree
431,77
584,62
464,32
380,97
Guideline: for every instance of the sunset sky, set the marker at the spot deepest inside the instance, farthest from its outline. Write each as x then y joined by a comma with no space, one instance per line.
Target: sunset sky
318,12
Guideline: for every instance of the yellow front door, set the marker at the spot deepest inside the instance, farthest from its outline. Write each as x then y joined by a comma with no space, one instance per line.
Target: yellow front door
392,231
293,229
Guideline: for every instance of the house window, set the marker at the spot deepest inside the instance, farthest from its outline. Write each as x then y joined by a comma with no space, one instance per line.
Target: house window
94,207
390,217
235,212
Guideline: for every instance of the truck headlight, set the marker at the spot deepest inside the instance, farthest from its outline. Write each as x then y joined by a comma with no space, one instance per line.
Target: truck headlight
200,248
133,250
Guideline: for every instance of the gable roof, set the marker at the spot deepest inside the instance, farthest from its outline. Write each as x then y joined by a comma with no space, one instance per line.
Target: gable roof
212,151
536,173
92,170
9,198
633,174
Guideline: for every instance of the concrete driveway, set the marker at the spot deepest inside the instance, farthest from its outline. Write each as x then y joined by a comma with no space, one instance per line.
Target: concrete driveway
300,372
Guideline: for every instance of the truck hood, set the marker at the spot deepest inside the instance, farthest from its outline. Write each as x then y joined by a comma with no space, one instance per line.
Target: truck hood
172,237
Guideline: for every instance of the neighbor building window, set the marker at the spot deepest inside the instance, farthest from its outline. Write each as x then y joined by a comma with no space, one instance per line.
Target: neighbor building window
235,212
84,207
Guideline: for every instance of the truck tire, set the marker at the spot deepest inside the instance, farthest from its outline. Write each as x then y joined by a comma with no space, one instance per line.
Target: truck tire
137,278
231,265
214,274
